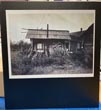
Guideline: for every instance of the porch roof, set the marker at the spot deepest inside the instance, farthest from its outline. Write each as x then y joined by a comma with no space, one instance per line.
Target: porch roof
52,34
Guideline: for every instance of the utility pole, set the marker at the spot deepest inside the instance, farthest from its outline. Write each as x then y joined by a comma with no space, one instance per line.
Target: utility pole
48,53
47,30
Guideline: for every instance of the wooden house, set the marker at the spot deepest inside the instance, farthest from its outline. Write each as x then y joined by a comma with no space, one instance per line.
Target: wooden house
46,41
82,39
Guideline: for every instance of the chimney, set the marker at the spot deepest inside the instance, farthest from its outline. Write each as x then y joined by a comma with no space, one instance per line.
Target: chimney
81,29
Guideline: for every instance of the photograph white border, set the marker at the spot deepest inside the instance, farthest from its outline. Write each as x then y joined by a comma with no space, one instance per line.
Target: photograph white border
83,75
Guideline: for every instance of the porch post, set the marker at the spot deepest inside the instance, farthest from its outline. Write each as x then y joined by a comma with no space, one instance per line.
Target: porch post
69,46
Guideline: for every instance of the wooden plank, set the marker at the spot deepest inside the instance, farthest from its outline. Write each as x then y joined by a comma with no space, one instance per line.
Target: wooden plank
1,76
0,62
100,93
1,85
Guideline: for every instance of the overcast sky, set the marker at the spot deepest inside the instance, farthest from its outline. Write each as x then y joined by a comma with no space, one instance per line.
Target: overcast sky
71,20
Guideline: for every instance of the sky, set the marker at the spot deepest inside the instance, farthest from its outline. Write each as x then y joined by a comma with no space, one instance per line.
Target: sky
20,20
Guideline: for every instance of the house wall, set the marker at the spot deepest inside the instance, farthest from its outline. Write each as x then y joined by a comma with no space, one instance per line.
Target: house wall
50,45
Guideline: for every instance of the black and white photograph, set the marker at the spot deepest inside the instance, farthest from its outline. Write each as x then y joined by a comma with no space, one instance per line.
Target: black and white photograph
50,43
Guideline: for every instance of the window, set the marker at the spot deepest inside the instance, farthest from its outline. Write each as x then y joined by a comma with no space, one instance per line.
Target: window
39,46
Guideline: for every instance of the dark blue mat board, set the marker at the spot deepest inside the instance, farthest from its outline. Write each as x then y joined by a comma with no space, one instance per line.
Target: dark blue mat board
2,107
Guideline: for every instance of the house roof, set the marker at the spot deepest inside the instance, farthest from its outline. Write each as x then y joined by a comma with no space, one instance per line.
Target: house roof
80,34
52,34
90,29
77,34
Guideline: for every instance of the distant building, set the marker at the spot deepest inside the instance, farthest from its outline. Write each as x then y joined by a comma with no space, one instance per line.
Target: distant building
82,39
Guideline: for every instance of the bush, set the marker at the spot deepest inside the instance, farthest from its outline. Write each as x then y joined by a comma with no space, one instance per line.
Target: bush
20,64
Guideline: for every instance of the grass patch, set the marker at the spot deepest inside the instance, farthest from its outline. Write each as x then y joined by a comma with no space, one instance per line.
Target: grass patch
60,62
